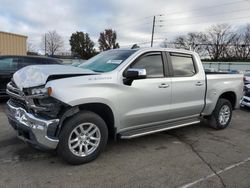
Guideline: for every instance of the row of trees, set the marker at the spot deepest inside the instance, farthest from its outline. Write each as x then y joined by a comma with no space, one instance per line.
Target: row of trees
83,47
218,42
81,44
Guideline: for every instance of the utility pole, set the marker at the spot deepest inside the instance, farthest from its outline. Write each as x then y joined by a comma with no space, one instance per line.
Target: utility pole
45,45
153,31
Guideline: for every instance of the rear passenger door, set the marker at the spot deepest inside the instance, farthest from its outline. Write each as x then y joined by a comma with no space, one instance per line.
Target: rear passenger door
188,86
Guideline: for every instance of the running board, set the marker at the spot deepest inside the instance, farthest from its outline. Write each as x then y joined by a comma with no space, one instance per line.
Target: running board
154,129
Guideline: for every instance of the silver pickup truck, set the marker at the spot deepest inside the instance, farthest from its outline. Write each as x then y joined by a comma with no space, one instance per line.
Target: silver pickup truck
122,93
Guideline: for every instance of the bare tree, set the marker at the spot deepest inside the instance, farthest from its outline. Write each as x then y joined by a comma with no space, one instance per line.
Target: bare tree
31,47
52,42
192,41
107,40
218,39
241,44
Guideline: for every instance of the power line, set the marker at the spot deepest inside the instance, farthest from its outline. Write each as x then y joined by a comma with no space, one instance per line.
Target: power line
204,22
140,43
177,12
135,21
211,15
207,7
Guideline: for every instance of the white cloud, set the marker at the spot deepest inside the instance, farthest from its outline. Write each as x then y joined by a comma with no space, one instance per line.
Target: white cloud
131,19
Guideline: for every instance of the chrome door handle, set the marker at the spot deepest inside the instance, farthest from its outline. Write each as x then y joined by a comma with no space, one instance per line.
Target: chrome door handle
199,84
163,85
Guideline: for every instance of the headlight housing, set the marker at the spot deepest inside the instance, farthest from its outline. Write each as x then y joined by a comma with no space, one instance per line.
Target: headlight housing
41,91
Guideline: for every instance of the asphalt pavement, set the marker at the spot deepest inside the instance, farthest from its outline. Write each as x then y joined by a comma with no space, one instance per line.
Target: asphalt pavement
194,156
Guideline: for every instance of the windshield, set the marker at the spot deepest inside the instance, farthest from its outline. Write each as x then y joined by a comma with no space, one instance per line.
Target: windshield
107,61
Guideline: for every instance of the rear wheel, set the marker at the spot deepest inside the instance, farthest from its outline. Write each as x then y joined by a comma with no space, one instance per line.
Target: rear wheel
221,115
82,138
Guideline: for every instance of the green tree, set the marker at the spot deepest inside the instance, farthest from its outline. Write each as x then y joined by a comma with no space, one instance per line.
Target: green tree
107,40
81,45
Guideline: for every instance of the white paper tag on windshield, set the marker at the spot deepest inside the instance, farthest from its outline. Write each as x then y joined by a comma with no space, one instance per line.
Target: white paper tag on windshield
114,62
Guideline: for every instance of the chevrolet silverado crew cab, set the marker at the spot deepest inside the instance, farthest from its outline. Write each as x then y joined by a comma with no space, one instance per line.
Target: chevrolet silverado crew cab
122,93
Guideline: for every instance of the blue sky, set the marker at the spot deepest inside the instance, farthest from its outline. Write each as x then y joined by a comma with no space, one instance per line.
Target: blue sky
131,19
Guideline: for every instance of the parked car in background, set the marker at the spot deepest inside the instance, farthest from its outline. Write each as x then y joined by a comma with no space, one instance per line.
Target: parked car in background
247,78
245,101
10,64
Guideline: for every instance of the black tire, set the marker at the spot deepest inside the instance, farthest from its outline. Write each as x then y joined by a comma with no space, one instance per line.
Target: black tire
63,148
214,119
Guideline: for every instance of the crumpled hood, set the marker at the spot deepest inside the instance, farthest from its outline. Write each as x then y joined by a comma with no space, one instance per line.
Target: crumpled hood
37,75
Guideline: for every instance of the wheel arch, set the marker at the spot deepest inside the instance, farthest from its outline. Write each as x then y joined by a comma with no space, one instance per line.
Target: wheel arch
101,109
230,96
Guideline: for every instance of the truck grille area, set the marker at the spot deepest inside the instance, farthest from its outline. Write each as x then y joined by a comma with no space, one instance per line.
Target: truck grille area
14,91
46,107
16,96
18,103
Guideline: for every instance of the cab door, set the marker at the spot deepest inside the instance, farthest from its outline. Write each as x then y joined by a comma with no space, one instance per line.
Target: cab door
146,101
188,86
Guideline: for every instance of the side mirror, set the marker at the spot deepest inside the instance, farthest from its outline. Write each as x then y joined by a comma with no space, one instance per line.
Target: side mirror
134,74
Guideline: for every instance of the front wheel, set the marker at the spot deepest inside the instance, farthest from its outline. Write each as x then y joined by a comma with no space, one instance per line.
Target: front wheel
221,115
83,138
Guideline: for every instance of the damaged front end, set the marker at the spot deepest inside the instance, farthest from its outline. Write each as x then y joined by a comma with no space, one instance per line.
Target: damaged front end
34,115
32,112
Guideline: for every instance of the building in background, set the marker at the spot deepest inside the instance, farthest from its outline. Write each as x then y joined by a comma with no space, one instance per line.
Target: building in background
12,44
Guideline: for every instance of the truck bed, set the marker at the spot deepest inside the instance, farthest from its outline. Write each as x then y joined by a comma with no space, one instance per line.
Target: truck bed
218,83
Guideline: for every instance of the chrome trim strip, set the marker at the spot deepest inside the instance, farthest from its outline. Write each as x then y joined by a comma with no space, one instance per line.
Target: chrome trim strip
159,130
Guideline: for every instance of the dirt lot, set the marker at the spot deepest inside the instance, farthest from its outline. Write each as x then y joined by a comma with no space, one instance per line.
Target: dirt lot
194,156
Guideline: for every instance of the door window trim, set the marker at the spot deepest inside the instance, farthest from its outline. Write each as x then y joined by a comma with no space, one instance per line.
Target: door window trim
165,67
178,54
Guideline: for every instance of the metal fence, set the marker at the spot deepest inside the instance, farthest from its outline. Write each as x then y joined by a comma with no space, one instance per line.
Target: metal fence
227,66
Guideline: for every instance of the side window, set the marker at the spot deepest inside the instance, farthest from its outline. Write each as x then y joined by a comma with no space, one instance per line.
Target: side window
183,65
45,61
53,61
153,64
25,61
7,64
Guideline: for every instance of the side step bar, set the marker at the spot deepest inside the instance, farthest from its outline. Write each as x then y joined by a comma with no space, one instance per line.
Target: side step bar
154,129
